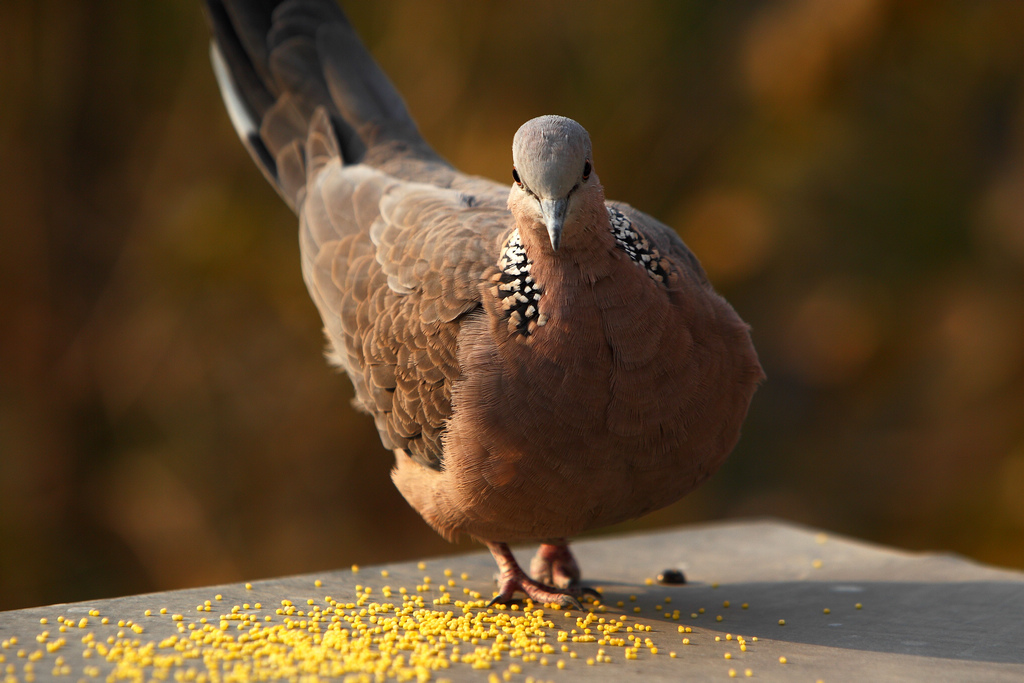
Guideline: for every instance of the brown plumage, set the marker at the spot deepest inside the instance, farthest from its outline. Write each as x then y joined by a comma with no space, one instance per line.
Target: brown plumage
540,361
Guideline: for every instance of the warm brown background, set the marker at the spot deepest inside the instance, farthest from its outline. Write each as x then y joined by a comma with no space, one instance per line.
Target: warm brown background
851,173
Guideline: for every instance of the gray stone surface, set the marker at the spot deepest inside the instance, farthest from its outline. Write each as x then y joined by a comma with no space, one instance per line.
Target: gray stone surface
923,617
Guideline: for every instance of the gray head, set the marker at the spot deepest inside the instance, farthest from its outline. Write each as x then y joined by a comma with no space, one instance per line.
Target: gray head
551,158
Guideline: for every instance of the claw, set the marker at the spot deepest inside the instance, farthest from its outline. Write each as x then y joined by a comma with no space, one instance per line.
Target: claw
564,601
512,578
571,602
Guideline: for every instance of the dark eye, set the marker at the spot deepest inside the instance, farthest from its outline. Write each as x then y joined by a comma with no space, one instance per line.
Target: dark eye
586,169
515,177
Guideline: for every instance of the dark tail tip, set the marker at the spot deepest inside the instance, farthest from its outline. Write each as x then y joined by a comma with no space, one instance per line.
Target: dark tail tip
278,62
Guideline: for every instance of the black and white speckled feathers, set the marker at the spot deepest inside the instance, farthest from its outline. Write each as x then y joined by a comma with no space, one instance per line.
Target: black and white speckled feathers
637,247
516,288
520,295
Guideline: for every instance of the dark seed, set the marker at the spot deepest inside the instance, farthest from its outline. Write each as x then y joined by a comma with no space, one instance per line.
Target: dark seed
672,577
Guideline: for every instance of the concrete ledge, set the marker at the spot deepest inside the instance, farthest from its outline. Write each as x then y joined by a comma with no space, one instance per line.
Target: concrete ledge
891,616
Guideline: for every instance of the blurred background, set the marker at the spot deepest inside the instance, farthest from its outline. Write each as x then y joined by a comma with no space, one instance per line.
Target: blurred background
850,172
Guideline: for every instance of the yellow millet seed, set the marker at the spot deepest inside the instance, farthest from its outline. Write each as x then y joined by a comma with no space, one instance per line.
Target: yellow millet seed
732,673
858,605
782,622
340,634
782,660
827,611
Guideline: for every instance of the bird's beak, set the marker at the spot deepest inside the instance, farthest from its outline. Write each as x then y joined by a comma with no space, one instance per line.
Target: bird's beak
553,211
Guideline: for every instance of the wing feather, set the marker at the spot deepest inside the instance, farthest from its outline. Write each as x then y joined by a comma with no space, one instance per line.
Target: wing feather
393,267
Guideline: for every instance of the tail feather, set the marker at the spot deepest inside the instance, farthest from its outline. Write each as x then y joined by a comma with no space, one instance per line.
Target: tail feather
278,62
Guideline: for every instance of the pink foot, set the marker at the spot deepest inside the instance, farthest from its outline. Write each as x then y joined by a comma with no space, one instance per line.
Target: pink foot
512,578
554,564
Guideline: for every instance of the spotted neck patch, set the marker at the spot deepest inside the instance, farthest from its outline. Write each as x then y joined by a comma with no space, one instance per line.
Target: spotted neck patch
516,289
637,247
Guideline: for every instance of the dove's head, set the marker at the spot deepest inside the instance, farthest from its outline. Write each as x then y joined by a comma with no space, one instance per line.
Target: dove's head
553,172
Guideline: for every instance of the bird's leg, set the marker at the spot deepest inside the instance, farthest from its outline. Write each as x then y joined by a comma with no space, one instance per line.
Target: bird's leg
554,564
512,578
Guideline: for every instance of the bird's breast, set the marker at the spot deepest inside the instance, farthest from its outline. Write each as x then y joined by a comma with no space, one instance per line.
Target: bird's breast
597,340
630,394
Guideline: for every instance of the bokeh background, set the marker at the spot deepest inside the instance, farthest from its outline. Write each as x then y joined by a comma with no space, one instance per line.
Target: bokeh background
850,172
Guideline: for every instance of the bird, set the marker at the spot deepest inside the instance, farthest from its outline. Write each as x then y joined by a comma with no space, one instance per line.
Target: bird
540,360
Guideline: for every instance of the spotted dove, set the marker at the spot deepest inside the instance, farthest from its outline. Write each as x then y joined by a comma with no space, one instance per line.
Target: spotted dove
541,361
